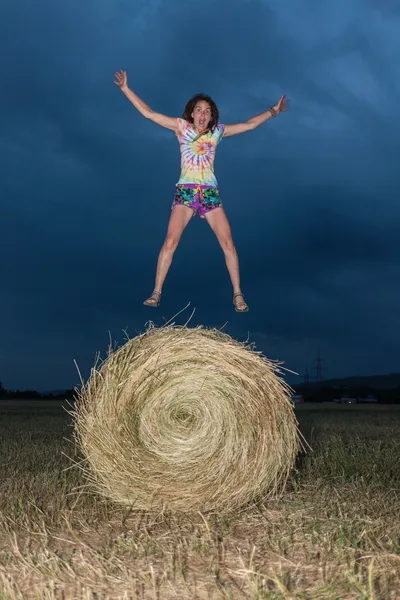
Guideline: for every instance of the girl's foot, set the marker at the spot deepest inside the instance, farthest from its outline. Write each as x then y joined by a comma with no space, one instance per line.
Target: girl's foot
239,302
154,299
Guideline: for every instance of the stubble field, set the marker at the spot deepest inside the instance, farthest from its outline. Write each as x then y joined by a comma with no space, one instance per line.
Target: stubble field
334,535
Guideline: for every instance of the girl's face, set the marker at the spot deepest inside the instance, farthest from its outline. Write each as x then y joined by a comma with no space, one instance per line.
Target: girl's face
201,115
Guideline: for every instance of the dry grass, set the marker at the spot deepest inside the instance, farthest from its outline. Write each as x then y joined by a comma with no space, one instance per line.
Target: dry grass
186,419
335,534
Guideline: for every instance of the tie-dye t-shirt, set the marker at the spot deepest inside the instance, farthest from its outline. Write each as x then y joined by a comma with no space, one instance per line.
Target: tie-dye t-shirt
197,157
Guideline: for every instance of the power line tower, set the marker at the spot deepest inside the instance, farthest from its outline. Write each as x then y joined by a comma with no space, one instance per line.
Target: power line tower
319,368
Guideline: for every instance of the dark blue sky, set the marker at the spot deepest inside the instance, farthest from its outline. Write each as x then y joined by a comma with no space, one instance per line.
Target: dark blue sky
87,183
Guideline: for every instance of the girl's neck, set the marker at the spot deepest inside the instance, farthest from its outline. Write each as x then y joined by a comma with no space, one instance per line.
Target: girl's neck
199,131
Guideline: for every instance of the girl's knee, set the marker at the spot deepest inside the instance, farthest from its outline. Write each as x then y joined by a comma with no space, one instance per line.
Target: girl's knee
171,243
228,246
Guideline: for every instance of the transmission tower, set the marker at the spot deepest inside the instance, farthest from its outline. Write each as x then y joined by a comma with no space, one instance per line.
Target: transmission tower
319,368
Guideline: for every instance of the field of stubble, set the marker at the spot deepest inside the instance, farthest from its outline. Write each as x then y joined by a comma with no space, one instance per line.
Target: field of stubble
334,535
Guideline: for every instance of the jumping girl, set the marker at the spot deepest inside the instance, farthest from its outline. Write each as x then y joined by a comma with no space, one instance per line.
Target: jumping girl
198,133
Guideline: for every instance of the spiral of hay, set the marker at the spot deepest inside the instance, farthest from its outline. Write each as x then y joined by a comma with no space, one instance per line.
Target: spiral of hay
188,419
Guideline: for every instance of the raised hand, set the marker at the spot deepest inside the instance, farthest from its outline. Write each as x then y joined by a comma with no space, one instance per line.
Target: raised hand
122,79
282,105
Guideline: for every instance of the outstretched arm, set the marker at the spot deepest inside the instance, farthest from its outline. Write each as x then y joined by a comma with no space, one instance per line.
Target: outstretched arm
142,107
254,122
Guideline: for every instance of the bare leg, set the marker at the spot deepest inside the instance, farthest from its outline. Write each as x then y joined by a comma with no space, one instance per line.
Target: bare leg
180,217
219,223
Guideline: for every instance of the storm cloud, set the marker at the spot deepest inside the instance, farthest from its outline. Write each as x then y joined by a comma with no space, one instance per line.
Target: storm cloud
87,183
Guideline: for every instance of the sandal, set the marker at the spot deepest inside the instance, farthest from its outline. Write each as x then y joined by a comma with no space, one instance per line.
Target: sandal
154,299
237,304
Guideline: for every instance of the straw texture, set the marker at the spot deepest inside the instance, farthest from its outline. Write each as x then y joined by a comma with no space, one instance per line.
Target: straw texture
186,419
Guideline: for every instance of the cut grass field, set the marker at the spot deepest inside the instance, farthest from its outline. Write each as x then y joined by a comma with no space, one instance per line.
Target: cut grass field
335,534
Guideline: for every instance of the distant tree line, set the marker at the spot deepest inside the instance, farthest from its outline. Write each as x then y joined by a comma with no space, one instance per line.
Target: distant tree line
309,393
330,393
33,394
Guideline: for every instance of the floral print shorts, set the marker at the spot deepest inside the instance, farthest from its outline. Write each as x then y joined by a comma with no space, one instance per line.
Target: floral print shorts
200,198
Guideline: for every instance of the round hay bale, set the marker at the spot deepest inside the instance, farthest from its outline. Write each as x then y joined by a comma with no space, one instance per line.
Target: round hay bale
186,419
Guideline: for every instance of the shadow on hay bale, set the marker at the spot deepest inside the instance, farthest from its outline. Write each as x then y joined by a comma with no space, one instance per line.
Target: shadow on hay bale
186,419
